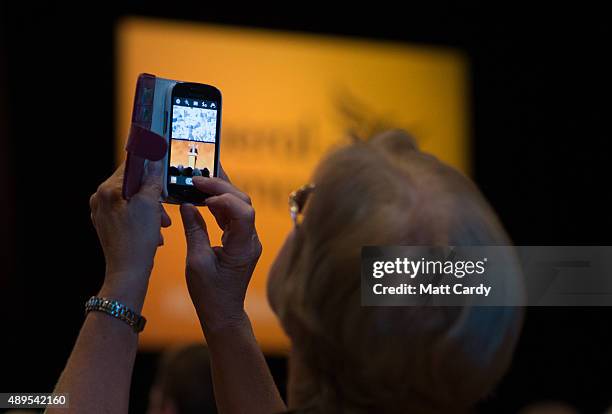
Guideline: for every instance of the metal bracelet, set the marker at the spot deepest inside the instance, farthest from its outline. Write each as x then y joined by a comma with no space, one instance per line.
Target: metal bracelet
116,309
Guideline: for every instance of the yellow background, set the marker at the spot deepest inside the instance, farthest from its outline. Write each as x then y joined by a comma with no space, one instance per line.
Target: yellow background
287,99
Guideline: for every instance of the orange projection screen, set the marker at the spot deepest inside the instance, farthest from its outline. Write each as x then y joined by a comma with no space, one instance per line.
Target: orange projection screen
288,99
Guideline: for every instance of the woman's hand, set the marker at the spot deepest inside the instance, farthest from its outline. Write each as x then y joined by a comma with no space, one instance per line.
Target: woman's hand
218,277
129,232
99,370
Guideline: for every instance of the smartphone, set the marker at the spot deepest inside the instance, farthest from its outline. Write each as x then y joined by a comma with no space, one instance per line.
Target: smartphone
193,131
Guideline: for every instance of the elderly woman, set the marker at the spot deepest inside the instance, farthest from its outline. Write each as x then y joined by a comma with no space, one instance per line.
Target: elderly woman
344,357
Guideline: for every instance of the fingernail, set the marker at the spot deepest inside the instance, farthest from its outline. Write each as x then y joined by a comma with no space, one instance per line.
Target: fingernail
209,198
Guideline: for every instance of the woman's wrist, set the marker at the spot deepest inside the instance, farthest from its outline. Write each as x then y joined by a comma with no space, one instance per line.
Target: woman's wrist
220,327
127,287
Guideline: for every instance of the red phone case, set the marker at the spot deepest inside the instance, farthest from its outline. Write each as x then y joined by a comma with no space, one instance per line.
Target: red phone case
142,143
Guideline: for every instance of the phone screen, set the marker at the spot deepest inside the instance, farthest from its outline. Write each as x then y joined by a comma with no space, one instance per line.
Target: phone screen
193,139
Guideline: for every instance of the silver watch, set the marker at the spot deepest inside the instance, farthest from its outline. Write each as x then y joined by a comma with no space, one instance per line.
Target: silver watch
116,309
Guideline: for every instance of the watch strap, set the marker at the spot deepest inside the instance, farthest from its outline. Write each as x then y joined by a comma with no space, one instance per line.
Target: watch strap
118,310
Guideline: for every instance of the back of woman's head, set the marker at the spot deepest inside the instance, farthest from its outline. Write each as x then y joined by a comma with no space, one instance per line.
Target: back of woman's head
389,359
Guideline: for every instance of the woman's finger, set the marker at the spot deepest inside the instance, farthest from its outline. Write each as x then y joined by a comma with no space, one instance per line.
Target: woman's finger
196,232
217,186
151,187
239,219
165,218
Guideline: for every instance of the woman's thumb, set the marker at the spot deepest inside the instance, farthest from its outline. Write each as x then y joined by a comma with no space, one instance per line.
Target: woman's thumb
196,233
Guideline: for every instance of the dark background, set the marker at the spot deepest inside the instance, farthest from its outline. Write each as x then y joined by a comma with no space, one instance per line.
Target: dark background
540,90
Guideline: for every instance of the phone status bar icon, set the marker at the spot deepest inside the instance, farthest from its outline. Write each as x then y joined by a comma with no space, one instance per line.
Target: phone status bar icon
194,103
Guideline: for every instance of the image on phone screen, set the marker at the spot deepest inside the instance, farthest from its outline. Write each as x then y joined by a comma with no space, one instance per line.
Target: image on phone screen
192,140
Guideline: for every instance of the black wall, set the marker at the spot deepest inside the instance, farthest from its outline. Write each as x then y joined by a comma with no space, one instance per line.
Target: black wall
541,154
